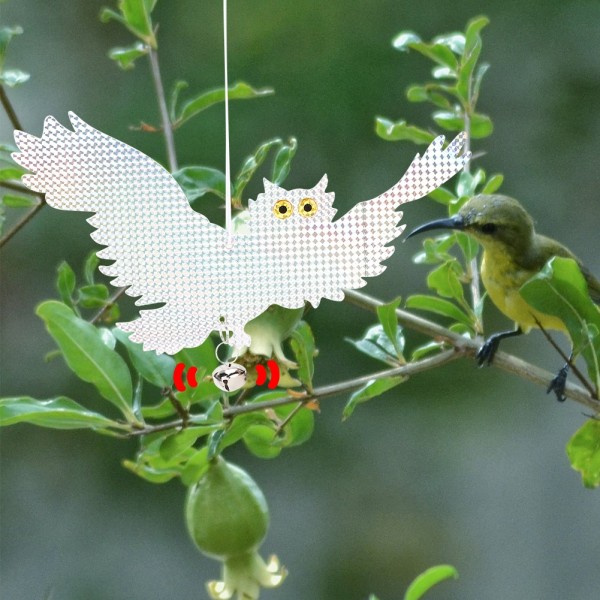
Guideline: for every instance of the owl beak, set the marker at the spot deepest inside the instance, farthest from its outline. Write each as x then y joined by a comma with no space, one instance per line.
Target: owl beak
456,223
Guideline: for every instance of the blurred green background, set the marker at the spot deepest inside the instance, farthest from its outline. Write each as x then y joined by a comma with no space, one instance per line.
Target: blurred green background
458,465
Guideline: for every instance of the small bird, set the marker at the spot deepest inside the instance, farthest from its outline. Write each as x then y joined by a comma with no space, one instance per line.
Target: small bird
512,254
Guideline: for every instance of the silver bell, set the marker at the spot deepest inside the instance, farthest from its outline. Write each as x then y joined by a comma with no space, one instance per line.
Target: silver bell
229,377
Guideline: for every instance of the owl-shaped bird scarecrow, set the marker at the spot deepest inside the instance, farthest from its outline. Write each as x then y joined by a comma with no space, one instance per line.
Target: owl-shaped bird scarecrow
207,278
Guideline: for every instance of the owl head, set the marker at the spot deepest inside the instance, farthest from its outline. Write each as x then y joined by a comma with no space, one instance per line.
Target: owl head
292,208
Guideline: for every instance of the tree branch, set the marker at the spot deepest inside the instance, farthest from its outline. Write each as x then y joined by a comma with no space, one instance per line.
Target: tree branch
20,224
320,393
469,347
164,113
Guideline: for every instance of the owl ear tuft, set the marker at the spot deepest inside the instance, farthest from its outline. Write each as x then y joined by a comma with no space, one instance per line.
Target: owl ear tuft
322,185
269,187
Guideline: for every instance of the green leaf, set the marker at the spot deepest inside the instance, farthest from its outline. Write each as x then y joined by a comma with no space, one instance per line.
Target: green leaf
195,467
560,290
387,317
151,474
89,267
493,184
376,344
19,201
11,173
283,161
442,195
198,181
404,39
473,45
399,130
583,451
425,581
450,120
304,349
455,41
260,440
177,443
178,87
57,413
472,38
154,368
445,281
214,442
126,57
135,15
87,355
438,52
300,427
425,350
439,306
481,126
93,296
435,250
251,164
65,283
482,69
374,388
238,91
428,93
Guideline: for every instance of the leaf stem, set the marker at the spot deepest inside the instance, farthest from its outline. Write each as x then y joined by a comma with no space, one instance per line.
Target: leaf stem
164,112
10,111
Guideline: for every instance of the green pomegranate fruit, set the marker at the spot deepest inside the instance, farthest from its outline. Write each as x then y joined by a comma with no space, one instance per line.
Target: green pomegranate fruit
227,517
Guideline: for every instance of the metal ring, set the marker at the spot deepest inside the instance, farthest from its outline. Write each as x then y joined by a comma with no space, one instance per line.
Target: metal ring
230,359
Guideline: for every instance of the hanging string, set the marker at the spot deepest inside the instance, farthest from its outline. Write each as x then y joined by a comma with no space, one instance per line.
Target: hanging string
228,222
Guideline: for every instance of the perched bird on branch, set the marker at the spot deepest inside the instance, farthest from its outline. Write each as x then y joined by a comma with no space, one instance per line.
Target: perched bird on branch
513,253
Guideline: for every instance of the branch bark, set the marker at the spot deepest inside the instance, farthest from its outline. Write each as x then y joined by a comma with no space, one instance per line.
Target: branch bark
469,347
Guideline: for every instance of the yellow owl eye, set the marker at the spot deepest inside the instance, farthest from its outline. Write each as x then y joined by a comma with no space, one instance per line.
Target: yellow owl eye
283,209
307,207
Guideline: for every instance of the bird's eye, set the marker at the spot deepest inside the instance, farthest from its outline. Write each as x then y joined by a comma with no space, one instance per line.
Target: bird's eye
488,228
307,207
283,209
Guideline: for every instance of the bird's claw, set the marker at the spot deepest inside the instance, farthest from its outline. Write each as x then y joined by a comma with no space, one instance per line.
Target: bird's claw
486,353
557,385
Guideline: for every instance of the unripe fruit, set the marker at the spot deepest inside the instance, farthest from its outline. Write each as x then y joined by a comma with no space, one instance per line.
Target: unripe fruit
227,517
226,513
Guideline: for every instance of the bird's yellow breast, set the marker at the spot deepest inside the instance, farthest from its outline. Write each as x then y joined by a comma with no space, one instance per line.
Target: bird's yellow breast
502,279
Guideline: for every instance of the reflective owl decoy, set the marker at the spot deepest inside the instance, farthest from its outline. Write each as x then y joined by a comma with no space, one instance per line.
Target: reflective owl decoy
291,252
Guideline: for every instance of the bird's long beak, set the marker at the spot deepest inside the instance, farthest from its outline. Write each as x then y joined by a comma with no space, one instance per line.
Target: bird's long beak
456,222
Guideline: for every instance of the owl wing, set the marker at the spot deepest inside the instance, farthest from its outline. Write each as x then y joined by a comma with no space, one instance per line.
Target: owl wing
141,215
362,233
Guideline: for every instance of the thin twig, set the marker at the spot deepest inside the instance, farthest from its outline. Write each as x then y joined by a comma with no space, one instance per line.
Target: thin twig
181,411
568,360
108,305
289,417
20,224
17,187
502,360
164,113
10,111
318,393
